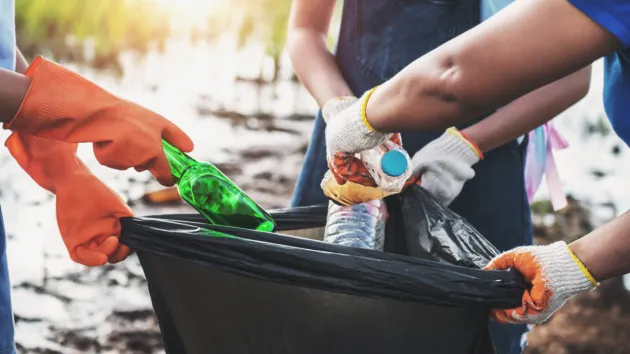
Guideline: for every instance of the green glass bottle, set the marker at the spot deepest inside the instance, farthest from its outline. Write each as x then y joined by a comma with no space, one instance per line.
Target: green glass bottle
213,195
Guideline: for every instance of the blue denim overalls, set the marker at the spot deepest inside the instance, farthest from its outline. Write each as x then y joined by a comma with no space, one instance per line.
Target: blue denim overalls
7,61
379,38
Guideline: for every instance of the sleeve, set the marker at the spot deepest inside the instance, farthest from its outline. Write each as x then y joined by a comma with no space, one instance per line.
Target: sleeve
613,15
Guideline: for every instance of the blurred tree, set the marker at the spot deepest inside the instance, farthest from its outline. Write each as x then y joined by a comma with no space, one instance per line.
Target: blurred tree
97,31
94,31
261,21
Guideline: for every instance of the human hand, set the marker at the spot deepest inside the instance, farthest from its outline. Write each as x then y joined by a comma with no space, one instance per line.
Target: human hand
347,127
88,212
62,105
555,275
444,165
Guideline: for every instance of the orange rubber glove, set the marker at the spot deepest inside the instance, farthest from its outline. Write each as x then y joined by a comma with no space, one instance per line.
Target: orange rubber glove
555,275
88,211
63,105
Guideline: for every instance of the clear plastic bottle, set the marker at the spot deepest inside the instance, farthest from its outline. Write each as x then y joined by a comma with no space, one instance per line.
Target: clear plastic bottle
360,225
389,165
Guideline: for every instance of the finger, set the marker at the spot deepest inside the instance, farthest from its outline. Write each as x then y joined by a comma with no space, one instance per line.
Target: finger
161,170
527,264
108,154
340,180
176,137
87,257
353,169
502,262
540,295
131,251
413,180
396,139
120,255
495,315
503,317
530,307
109,246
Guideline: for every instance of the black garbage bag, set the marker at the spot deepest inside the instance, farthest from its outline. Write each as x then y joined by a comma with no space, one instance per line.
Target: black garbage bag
431,228
227,290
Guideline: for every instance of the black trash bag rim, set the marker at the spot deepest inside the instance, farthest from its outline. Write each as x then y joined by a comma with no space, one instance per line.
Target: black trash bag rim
318,265
286,218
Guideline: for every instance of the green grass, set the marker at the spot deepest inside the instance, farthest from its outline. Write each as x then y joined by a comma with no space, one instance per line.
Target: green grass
46,27
61,29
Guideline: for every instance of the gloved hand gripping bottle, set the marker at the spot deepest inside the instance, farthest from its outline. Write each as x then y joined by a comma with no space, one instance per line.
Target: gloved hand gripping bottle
388,164
361,221
213,195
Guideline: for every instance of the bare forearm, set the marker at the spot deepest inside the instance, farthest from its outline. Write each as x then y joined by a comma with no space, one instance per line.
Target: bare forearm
315,66
13,87
20,62
530,111
523,47
606,250
312,61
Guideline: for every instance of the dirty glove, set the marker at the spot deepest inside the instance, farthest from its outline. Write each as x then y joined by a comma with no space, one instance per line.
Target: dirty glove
62,105
88,212
349,130
555,274
445,164
336,106
345,166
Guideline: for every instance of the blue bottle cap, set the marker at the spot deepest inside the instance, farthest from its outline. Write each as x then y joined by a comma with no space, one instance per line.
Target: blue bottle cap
394,163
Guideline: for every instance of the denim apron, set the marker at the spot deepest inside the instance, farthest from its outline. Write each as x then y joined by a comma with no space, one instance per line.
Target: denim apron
377,39
6,315
7,61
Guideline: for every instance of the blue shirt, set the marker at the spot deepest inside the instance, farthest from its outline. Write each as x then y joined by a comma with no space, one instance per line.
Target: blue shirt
7,61
7,34
491,7
614,15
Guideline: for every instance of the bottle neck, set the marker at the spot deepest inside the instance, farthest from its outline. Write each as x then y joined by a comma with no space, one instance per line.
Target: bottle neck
177,160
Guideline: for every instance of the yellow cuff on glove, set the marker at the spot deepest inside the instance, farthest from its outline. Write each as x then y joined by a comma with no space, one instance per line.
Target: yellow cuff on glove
364,108
457,133
583,268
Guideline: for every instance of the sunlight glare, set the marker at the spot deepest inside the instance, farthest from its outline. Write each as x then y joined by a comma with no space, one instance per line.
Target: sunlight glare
191,12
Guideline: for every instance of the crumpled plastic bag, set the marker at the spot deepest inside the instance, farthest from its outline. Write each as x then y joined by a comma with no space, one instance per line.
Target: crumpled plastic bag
432,229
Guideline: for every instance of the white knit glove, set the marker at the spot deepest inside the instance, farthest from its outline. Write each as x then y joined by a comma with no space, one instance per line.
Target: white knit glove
348,130
555,274
445,164
336,105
